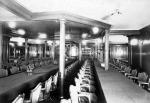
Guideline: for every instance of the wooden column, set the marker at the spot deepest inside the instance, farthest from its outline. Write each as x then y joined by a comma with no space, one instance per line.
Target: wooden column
80,51
14,51
62,56
45,49
140,47
1,44
26,50
53,51
49,51
98,49
106,49
131,55
5,49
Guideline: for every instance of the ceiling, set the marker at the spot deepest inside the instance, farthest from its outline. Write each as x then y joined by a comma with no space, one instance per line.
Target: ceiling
50,27
6,15
133,14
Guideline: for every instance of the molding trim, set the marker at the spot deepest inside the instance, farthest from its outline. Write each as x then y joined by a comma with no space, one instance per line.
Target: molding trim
16,8
69,17
125,32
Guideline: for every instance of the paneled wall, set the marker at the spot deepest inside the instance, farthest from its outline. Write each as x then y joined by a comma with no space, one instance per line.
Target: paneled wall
119,51
141,51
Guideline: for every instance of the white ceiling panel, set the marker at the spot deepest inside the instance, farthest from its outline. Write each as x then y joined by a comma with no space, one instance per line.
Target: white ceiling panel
133,14
6,15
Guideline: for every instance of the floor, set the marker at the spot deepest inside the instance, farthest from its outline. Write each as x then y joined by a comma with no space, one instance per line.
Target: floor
119,89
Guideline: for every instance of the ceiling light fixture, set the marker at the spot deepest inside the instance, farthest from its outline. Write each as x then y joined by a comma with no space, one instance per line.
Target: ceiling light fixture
95,30
134,42
111,14
12,44
12,24
84,35
84,42
37,41
20,43
21,31
49,42
68,36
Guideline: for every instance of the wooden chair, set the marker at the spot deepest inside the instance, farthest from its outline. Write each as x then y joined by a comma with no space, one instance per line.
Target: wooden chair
55,79
19,99
35,94
31,66
37,64
84,87
76,97
143,80
133,75
14,70
23,67
3,72
127,71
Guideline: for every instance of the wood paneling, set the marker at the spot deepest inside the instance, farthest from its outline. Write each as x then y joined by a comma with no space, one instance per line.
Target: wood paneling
119,51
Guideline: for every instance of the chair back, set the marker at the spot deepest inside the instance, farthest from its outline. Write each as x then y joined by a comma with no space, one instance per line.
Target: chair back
134,72
35,93
31,66
55,78
19,99
143,77
14,70
48,85
23,67
73,94
128,70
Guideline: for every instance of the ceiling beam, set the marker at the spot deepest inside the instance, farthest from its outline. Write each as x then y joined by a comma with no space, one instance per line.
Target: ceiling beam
69,17
16,8
125,32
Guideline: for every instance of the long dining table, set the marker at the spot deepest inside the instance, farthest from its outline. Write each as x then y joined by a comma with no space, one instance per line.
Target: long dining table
23,82
119,89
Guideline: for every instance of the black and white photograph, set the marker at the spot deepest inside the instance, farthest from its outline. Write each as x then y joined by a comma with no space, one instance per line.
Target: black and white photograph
74,51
